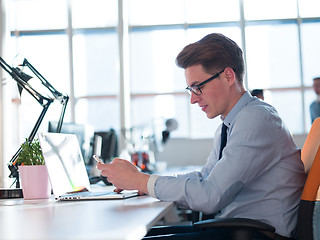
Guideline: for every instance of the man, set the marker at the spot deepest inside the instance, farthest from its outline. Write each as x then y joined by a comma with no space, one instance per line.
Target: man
315,105
258,175
257,93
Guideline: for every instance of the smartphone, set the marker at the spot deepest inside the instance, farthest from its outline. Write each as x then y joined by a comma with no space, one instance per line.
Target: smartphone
99,160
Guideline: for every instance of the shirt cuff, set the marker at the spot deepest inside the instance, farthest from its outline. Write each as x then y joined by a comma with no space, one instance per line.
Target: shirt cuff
150,185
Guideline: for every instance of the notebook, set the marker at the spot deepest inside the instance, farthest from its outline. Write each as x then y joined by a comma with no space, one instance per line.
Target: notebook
67,171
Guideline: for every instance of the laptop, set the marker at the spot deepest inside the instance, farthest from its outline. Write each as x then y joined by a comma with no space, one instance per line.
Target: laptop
67,171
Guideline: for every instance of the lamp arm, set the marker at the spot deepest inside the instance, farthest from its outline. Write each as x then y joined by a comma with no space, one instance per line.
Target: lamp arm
35,94
38,123
34,130
22,79
63,110
58,95
17,76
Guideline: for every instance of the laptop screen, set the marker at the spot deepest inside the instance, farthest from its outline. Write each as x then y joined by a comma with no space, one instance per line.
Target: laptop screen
64,162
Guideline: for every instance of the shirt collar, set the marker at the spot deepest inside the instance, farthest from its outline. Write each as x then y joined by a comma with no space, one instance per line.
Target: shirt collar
243,101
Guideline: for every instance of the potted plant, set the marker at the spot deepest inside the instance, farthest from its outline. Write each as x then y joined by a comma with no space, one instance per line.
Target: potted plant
30,154
33,172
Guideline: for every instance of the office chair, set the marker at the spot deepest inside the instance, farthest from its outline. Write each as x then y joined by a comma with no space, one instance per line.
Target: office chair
308,225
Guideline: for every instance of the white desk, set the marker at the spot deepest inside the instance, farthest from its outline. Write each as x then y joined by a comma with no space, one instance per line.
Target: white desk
101,219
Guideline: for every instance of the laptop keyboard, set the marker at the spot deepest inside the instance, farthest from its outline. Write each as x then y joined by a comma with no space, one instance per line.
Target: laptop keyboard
86,194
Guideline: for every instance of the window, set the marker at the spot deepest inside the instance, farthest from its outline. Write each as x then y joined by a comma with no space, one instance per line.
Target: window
273,56
269,9
78,52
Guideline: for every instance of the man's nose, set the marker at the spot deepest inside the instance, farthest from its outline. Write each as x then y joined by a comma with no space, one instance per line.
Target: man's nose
194,98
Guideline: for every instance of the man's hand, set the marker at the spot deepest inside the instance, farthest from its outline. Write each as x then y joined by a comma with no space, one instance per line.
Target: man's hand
124,175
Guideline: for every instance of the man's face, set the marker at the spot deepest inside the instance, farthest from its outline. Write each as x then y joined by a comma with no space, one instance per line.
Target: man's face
316,86
215,94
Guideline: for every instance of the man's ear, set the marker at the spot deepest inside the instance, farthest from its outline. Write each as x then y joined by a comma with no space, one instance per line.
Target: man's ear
230,75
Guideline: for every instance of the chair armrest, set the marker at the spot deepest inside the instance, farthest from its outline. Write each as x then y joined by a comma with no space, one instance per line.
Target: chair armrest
235,223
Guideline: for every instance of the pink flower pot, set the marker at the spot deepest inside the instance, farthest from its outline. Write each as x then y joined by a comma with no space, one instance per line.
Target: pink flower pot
35,181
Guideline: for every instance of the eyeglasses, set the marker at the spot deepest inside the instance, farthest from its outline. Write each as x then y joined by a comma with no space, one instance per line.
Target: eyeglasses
196,88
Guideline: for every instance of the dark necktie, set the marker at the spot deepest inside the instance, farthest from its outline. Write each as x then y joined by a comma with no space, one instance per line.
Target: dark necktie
223,139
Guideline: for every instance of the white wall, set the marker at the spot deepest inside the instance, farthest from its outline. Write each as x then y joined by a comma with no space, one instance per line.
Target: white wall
183,152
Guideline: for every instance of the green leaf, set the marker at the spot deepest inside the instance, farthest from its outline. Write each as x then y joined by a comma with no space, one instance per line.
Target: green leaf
31,153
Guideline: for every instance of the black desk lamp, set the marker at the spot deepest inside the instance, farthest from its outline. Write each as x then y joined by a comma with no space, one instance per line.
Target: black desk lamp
22,81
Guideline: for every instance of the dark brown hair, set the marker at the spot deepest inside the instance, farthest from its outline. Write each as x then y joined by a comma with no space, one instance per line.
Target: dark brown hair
214,52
